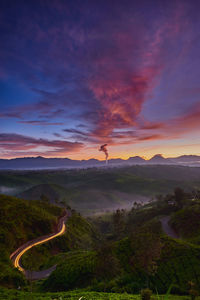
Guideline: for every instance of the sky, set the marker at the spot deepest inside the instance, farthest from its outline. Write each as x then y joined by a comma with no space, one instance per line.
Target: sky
77,74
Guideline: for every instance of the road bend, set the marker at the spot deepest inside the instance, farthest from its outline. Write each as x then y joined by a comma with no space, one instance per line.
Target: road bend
17,254
167,228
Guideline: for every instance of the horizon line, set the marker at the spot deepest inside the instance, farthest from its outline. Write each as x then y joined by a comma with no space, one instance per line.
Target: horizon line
142,157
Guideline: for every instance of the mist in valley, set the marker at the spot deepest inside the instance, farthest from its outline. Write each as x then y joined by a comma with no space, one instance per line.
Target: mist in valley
9,190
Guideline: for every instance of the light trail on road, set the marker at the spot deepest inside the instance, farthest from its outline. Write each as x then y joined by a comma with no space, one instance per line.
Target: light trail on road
16,257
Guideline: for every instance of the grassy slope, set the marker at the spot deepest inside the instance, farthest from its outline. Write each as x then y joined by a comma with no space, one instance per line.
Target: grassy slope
187,221
21,221
179,261
176,262
79,235
75,270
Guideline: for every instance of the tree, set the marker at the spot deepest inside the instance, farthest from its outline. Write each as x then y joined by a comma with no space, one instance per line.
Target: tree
193,291
107,263
147,248
179,197
44,198
119,222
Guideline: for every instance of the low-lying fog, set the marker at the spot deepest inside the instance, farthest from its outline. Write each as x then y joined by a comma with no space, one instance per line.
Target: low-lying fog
92,201
127,201
8,190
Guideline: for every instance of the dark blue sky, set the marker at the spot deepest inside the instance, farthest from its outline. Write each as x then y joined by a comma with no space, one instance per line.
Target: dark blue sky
76,74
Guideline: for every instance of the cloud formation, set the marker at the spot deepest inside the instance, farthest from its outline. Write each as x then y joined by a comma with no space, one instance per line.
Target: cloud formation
24,145
97,73
40,123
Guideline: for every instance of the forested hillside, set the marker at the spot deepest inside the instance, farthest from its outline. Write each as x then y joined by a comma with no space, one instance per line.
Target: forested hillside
96,190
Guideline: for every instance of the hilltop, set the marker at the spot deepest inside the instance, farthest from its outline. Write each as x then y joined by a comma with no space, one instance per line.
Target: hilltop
39,162
97,190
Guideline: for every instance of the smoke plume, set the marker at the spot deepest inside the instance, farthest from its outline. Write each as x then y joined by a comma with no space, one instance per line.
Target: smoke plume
104,149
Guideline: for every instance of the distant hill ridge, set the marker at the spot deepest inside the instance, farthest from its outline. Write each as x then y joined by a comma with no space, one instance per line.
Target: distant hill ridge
40,162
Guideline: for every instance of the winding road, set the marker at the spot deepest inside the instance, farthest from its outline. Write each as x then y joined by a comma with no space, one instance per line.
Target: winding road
61,228
17,254
166,228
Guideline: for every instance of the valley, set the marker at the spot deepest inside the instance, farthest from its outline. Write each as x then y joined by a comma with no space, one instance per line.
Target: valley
125,243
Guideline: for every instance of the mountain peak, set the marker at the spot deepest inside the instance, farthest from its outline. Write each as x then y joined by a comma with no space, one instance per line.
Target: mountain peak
136,159
157,157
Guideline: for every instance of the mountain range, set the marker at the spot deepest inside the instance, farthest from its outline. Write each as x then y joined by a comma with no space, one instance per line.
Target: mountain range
53,163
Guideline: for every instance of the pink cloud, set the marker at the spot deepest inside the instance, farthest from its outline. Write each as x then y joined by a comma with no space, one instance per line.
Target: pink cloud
10,142
122,66
121,89
188,122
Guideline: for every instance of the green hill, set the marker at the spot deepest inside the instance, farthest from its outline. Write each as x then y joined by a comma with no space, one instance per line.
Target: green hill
122,252
144,258
79,235
99,190
41,190
134,253
21,221
186,222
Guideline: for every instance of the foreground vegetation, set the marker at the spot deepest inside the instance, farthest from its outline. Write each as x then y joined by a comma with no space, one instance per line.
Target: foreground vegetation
134,252
112,256
21,221
76,295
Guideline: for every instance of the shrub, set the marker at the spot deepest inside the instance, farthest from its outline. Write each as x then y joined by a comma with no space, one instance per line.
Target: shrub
193,293
146,294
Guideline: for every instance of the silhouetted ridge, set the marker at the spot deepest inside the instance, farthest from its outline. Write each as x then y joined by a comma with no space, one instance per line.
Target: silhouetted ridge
40,162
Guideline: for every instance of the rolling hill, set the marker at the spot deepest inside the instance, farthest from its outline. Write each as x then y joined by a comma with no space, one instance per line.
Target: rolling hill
21,221
100,190
28,163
